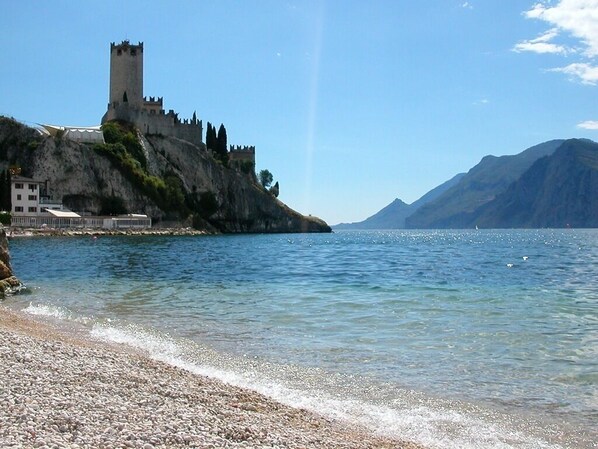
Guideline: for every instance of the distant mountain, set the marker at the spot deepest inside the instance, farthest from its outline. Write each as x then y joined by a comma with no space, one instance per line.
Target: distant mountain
393,216
456,207
557,191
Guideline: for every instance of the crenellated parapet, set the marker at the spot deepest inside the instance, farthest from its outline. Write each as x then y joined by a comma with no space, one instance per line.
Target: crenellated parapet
242,148
241,153
127,103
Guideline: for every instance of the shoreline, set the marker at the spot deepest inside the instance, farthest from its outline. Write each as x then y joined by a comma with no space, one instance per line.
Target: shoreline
60,390
89,232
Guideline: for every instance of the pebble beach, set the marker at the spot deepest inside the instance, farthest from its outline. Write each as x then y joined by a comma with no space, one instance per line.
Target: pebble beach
58,390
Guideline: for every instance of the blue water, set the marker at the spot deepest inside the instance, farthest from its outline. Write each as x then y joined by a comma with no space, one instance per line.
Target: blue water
454,339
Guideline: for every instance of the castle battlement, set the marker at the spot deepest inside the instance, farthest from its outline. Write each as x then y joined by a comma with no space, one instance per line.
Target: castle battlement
126,101
241,149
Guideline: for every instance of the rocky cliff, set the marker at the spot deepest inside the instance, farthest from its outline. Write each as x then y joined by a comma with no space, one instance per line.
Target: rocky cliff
87,179
8,282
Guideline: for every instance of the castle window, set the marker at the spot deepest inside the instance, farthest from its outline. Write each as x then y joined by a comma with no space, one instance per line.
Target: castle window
19,197
32,197
32,209
32,187
18,185
133,52
18,208
119,52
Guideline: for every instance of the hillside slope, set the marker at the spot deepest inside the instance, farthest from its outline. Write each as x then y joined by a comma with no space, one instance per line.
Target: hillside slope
492,176
394,215
86,179
558,191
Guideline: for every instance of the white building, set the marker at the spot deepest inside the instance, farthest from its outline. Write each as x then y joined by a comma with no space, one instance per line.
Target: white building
25,196
31,210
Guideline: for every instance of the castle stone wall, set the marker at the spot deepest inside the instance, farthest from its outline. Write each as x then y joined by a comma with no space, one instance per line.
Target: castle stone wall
241,153
150,122
126,73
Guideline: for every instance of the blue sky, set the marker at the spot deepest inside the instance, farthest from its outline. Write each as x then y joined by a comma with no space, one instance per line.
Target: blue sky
350,104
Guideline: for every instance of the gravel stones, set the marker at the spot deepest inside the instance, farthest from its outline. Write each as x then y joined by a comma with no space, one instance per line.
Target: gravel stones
57,392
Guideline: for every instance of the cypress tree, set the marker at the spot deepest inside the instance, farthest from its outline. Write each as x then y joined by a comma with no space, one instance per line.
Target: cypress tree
2,188
211,139
5,196
221,144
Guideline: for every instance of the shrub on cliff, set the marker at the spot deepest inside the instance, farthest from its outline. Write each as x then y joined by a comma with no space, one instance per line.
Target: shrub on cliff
122,133
126,153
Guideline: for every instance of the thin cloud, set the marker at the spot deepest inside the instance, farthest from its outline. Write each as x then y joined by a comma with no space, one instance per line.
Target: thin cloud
588,124
581,71
542,44
577,19
467,5
539,47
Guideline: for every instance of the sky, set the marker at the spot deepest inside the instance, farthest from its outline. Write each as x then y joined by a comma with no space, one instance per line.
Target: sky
350,104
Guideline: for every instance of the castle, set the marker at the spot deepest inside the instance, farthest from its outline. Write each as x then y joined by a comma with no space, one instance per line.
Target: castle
127,103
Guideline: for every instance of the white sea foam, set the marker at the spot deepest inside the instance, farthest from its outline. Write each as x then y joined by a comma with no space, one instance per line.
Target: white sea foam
434,425
47,311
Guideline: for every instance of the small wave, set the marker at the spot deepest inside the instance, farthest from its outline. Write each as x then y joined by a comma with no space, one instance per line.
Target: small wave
47,311
432,423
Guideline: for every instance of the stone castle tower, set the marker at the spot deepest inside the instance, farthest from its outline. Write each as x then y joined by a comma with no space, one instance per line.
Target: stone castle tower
126,74
127,103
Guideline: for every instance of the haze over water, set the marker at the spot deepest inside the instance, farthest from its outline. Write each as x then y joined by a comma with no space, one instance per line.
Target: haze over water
458,339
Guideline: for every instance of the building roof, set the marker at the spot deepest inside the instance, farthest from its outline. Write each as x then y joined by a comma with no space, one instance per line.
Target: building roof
18,178
63,213
92,134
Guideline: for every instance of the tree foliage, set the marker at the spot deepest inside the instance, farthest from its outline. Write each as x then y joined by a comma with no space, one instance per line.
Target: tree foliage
265,178
221,145
211,137
115,132
217,142
5,197
168,192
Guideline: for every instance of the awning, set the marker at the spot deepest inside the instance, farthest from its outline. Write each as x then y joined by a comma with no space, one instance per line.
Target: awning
63,213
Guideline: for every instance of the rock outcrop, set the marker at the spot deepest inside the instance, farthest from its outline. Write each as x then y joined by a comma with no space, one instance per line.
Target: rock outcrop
8,282
84,178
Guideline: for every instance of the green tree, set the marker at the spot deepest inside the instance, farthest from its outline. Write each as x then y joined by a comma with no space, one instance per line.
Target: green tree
265,178
221,145
211,138
7,198
2,188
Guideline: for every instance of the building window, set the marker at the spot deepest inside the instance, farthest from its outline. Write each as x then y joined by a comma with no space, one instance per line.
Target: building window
33,209
18,208
32,197
18,185
32,187
18,197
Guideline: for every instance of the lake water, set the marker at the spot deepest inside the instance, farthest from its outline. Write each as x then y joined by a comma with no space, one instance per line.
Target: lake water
454,339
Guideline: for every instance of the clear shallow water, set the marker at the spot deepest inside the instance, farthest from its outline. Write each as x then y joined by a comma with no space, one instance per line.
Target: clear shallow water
459,339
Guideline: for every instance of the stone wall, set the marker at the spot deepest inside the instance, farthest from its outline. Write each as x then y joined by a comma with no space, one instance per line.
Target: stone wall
161,123
126,73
